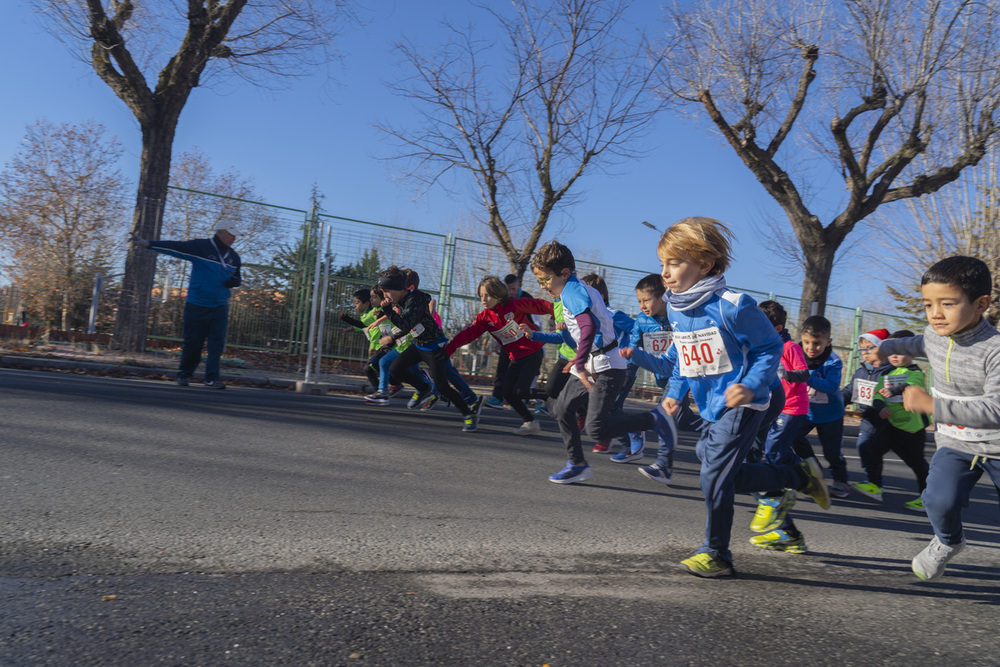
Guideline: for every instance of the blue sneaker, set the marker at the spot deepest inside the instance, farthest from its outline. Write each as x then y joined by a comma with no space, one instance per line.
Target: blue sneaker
624,456
664,426
572,474
656,473
494,402
637,441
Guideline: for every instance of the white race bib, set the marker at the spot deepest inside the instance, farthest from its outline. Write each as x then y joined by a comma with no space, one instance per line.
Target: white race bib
386,328
702,352
967,433
818,397
864,392
657,342
508,333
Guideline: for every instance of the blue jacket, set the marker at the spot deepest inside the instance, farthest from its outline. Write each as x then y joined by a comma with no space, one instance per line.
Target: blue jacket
654,362
870,420
824,381
751,345
214,268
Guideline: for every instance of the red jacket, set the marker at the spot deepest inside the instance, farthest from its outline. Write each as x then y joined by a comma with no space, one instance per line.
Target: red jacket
502,322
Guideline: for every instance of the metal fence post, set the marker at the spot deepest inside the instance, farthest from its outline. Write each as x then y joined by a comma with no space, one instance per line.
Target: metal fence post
853,358
447,276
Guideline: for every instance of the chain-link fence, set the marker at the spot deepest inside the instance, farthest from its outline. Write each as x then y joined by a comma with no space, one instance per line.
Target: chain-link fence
302,268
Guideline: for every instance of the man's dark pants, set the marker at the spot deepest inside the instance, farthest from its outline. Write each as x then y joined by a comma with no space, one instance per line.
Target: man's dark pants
201,324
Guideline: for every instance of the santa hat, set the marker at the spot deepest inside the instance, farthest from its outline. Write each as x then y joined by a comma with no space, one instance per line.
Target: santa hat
875,336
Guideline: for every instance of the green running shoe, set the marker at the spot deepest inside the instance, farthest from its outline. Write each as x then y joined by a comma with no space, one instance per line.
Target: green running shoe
703,565
771,512
779,540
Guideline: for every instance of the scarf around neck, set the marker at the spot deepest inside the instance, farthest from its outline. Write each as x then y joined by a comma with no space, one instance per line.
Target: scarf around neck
698,294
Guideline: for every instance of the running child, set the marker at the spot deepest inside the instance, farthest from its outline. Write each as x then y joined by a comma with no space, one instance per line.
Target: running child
861,391
598,368
502,318
964,352
429,341
727,353
905,434
368,315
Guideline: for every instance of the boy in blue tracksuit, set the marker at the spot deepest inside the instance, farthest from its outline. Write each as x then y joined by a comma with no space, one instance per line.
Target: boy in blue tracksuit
826,403
861,390
215,270
727,353
648,347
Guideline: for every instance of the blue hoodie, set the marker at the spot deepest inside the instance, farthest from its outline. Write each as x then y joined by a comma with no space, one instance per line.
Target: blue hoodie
213,264
655,361
826,403
752,348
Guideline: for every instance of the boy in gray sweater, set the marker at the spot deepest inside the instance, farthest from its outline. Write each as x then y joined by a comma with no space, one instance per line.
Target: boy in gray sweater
964,351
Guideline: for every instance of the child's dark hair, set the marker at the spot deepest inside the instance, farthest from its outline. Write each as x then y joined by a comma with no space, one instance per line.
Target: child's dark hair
774,311
969,274
596,281
412,278
653,283
554,257
816,326
364,295
511,278
902,333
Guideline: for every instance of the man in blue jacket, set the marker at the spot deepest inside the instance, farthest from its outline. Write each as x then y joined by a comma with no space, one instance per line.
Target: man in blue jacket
215,269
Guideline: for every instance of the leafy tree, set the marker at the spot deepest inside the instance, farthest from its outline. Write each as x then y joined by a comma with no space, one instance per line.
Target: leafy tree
62,212
128,44
898,97
570,94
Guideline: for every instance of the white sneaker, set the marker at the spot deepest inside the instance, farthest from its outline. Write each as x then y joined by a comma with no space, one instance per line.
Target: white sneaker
528,428
930,563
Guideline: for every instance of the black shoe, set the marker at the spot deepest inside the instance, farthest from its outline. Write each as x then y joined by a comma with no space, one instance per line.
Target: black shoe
182,381
214,384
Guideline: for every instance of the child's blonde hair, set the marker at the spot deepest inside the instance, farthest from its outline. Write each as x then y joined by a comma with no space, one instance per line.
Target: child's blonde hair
701,239
494,287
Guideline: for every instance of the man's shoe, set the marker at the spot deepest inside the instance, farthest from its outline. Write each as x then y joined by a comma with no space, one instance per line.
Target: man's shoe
624,456
815,485
840,489
378,398
873,491
929,564
470,422
703,565
601,447
214,384
428,403
917,505
656,473
572,474
664,426
528,428
494,402
771,511
182,380
779,540
394,390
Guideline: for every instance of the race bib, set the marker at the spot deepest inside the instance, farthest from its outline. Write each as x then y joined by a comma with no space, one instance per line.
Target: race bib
657,342
508,333
818,397
702,352
864,392
967,433
895,383
386,328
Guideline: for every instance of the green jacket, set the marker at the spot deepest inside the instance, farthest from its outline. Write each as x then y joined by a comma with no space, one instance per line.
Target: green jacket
911,422
557,313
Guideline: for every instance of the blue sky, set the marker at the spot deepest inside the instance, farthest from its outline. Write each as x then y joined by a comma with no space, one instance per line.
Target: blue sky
318,131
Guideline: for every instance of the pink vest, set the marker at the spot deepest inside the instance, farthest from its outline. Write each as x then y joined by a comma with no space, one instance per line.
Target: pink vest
796,393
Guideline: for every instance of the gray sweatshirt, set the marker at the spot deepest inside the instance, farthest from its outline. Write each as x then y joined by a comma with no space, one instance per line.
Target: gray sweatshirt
966,385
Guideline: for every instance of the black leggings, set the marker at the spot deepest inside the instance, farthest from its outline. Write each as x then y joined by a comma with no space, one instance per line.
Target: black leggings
517,382
371,368
437,366
907,446
557,379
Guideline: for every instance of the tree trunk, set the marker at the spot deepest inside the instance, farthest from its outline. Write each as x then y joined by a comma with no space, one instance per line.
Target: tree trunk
816,283
132,322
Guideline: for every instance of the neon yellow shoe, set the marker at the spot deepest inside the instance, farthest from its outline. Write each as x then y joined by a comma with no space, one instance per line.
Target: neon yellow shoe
703,565
815,484
873,491
779,540
916,505
771,512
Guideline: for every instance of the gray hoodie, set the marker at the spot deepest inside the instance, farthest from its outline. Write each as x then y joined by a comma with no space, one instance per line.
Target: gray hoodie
966,390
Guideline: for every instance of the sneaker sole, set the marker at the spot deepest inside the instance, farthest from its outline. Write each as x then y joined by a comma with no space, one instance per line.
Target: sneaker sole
727,572
582,477
626,459
656,478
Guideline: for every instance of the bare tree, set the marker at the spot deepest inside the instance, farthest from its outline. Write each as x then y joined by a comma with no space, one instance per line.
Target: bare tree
179,44
961,220
871,85
572,95
62,217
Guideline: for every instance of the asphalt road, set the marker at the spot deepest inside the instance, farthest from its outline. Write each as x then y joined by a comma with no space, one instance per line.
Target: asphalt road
143,523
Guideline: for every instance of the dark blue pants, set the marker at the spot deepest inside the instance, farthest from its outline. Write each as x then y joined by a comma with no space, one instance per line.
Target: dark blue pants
949,484
202,324
830,436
